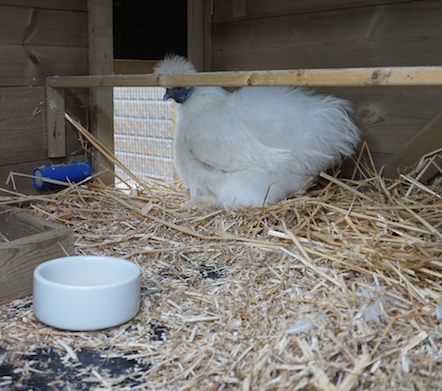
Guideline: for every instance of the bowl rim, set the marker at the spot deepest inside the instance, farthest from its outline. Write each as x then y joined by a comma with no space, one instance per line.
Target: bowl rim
39,279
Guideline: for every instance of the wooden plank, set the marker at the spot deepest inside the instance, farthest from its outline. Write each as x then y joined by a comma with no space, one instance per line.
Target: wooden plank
101,62
131,67
30,65
356,37
198,35
20,225
29,26
32,241
228,10
195,36
389,117
207,33
406,33
74,5
347,77
23,124
55,123
427,140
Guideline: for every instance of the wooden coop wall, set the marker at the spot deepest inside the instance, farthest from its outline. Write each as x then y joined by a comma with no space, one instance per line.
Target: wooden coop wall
38,38
261,35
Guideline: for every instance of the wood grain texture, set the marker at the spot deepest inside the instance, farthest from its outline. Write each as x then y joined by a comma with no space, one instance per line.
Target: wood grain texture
230,10
101,62
400,34
55,123
427,140
199,34
22,124
30,26
130,67
391,116
32,241
73,5
345,77
302,34
195,33
30,65
38,38
39,42
23,132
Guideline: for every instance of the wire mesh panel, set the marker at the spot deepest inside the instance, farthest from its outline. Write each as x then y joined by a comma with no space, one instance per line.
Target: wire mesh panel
143,131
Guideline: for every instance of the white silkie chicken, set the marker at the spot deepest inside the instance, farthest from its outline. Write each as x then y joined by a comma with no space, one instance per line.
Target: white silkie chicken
256,145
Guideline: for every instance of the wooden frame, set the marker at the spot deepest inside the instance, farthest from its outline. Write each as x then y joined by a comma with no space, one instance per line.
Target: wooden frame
32,240
101,54
343,77
199,38
100,26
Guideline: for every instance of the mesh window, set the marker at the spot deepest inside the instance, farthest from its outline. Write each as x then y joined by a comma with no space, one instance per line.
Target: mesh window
144,132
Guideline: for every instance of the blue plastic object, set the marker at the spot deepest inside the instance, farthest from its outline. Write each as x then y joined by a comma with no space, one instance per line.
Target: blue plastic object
74,172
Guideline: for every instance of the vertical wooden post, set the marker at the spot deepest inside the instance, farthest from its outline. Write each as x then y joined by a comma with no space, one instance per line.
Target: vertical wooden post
199,18
55,107
101,56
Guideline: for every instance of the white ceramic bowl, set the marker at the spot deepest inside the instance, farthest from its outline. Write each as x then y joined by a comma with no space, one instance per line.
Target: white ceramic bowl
83,293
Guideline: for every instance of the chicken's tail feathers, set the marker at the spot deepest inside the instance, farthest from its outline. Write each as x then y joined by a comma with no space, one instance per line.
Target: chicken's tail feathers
344,135
336,137
173,64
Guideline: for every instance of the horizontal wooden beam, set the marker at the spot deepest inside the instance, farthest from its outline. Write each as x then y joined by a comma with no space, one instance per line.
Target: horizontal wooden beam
345,77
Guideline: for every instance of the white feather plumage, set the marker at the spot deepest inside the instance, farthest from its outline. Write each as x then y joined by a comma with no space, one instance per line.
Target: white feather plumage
258,144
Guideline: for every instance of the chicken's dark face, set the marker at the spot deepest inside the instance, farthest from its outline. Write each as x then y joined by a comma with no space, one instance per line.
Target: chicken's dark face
178,94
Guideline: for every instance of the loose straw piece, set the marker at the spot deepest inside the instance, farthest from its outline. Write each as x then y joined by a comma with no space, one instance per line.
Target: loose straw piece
345,186
352,378
416,340
432,229
418,184
323,382
305,259
48,180
356,230
97,144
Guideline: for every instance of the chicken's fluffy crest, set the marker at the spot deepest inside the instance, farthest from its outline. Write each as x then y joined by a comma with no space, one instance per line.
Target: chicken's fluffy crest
174,65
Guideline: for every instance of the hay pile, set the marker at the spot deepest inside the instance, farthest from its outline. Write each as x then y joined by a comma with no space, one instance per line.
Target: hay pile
337,289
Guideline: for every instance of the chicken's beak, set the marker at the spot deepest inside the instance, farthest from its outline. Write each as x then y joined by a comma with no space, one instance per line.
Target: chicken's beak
167,94
178,94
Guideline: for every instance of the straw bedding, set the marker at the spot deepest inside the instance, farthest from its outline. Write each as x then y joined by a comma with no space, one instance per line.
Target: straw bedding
336,289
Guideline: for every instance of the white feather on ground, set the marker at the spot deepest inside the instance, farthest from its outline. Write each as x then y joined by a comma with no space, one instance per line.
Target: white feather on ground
256,145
